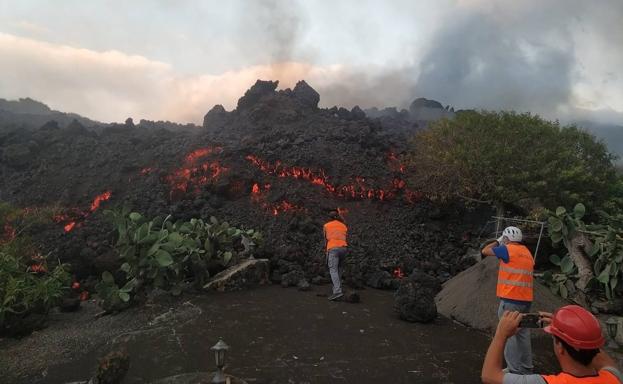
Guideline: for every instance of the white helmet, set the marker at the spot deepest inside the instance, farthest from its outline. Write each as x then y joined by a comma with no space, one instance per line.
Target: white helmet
512,234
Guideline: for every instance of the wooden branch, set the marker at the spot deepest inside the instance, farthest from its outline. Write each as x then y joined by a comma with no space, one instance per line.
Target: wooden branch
475,200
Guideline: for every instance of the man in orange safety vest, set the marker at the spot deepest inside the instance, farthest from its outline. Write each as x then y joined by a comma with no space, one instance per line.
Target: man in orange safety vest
335,232
514,288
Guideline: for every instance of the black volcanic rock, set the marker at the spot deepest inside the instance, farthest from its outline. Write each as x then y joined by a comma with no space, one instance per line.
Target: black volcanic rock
51,125
306,94
424,103
357,113
415,298
216,116
75,128
129,122
260,89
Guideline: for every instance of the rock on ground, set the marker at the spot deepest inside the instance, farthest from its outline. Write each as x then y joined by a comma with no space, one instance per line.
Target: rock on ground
415,298
469,297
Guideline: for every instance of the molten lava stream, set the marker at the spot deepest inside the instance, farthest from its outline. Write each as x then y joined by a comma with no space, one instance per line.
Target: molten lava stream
75,217
275,208
98,200
192,174
357,190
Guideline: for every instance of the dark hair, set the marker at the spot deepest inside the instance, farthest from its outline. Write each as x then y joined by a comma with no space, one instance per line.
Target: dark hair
582,356
334,214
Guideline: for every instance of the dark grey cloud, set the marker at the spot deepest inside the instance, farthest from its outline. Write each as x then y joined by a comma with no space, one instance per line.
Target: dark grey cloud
269,30
479,62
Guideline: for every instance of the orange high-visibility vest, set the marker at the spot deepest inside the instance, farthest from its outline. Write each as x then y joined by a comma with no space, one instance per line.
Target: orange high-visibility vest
515,277
603,377
335,233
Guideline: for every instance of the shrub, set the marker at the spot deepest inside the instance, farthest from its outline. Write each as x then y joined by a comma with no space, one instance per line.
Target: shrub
24,293
168,255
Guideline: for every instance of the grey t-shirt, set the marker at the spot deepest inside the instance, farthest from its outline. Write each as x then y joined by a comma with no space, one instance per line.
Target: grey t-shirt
511,378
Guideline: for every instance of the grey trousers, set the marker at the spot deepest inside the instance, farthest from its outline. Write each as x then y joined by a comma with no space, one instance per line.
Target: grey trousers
518,349
335,259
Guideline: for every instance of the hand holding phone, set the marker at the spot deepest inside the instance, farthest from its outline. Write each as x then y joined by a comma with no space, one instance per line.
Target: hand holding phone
530,320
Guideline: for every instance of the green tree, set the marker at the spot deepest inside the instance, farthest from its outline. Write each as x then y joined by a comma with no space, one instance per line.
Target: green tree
506,158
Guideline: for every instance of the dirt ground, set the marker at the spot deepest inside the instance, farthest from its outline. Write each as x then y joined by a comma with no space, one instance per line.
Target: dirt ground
276,335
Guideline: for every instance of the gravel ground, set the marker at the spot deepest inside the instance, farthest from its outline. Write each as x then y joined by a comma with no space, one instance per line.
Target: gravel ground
276,335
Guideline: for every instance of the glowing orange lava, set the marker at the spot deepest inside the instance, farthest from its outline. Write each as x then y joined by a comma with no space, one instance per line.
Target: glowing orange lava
274,208
398,273
72,218
98,200
356,190
394,162
192,174
69,226
201,152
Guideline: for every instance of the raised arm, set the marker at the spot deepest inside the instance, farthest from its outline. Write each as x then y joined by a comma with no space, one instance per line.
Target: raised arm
492,372
488,249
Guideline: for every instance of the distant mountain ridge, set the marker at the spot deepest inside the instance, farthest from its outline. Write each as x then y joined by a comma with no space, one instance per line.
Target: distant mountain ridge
30,113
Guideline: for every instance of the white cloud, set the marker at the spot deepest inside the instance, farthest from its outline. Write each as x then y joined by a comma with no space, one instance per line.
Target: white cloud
29,27
111,85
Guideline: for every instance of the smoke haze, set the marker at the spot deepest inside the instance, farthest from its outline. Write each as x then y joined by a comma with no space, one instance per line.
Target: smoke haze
560,58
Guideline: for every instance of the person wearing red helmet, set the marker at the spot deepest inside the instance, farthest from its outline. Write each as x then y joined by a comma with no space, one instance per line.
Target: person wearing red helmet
577,342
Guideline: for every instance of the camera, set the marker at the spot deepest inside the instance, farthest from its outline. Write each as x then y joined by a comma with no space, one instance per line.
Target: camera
530,320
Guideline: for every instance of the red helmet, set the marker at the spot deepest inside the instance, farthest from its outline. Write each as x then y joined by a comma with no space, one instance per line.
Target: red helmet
577,327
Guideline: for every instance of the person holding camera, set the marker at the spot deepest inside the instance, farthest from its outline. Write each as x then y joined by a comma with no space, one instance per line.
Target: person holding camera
514,288
577,340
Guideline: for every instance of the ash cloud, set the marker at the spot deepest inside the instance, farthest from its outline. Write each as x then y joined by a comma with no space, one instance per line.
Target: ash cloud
270,30
480,62
552,58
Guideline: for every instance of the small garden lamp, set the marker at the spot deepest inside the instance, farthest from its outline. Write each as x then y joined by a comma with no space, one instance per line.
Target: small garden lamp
611,326
220,350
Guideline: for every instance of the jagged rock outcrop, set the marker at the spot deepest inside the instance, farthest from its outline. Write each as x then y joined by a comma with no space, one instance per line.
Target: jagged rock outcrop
306,94
254,94
424,103
215,117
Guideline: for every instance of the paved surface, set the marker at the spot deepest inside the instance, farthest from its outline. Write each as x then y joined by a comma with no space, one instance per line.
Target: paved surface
276,336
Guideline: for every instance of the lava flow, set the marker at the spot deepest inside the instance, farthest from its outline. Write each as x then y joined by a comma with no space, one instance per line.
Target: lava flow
273,208
98,200
394,162
193,174
73,217
398,273
356,190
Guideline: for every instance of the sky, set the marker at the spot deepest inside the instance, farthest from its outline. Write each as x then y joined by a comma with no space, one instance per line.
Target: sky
174,60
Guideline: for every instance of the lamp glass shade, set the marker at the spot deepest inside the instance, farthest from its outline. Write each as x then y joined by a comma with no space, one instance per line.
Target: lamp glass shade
219,358
612,325
220,350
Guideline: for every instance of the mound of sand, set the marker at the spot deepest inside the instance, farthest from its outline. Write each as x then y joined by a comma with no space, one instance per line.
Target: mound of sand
469,297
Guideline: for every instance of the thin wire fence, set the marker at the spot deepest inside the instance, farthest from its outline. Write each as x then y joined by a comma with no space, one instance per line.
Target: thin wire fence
532,230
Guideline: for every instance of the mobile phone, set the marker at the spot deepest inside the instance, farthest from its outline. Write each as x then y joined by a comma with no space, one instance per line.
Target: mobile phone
530,320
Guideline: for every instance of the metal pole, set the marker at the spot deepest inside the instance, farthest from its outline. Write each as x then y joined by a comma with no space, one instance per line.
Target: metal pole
536,251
